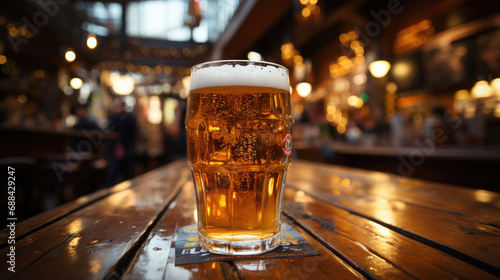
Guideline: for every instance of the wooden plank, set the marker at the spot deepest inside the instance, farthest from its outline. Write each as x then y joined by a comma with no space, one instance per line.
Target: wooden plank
482,205
37,222
377,251
154,259
325,266
150,261
474,239
97,240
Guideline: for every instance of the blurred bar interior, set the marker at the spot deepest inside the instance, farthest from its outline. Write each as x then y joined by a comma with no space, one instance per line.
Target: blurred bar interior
94,92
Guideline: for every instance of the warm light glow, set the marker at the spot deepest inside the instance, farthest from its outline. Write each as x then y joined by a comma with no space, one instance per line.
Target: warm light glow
346,64
481,90
169,107
402,69
413,36
183,93
359,79
496,112
122,85
70,55
22,98
39,74
298,59
288,52
352,100
306,12
299,71
345,182
343,121
186,81
222,201
76,83
354,45
195,216
154,112
255,56
13,32
270,187
461,94
379,68
343,38
298,108
470,110
91,41
483,196
303,89
353,34
3,59
495,84
391,87
355,101
331,109
70,120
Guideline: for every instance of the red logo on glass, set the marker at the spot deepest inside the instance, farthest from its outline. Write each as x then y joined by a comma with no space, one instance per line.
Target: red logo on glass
287,144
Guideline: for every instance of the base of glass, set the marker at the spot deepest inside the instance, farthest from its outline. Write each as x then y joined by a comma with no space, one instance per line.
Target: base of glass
253,247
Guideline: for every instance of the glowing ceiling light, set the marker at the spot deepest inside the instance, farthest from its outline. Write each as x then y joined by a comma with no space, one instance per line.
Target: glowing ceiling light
402,69
123,85
355,101
359,79
255,56
461,94
76,83
186,81
91,41
154,111
495,84
303,89
481,90
306,12
379,68
70,55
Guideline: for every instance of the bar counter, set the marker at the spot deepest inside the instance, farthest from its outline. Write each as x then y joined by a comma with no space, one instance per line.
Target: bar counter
462,166
364,224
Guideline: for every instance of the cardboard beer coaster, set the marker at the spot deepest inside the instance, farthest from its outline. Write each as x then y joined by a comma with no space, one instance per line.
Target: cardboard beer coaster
189,251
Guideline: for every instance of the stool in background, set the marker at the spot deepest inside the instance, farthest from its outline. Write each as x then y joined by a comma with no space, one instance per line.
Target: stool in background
58,177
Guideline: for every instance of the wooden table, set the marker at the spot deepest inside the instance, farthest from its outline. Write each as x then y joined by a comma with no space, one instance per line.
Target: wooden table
364,224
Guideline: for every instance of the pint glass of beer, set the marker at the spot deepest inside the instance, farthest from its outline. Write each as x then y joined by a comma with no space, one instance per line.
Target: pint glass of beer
239,143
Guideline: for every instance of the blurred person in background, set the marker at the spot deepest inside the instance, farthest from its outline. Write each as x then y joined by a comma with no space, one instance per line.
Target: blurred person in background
120,152
84,121
398,126
177,143
441,132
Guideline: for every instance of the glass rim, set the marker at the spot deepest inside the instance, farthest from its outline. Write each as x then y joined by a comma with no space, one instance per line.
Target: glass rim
237,62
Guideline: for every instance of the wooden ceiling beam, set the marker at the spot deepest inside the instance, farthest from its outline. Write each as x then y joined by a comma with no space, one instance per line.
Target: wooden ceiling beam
248,25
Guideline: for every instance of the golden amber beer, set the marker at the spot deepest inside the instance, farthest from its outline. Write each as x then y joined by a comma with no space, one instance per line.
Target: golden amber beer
239,143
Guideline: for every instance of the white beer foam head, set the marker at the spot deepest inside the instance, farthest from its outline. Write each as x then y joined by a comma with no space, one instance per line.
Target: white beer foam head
260,75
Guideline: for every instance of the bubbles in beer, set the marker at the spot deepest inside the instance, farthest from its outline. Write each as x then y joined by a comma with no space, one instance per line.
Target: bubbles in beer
235,145
246,149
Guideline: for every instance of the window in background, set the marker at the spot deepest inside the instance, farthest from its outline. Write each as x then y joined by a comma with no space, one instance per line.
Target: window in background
103,19
169,19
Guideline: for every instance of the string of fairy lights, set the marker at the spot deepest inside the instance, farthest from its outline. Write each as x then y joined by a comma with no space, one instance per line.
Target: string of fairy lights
144,69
